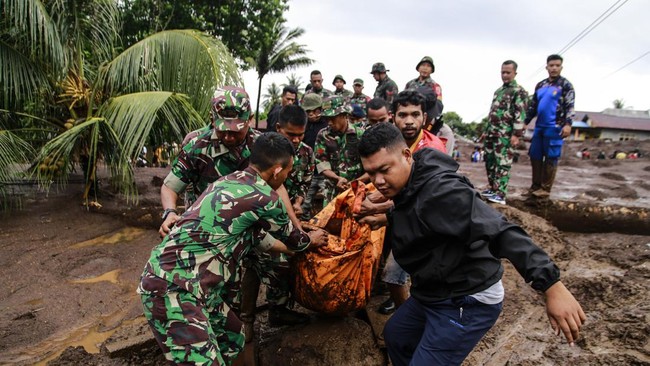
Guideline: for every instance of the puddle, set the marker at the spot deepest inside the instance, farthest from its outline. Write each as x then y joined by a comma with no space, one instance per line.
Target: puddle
90,336
124,235
108,277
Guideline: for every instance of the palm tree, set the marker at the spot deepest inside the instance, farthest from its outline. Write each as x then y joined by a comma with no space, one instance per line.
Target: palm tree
272,97
618,103
58,60
295,81
279,52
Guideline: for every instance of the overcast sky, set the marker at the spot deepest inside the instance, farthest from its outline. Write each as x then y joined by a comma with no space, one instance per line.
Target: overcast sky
469,39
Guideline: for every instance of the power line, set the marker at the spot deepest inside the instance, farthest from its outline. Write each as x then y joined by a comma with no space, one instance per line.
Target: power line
588,29
628,64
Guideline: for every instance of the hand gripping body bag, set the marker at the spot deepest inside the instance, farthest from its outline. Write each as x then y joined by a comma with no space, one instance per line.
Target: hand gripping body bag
337,278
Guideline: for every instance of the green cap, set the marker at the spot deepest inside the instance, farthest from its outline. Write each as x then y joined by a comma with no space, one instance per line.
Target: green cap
335,105
378,67
230,109
429,60
338,77
358,82
312,101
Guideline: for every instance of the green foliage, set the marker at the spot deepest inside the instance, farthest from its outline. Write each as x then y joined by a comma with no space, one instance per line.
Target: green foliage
241,25
272,97
68,95
471,130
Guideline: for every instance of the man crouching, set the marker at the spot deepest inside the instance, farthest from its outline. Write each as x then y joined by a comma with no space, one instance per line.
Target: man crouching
190,287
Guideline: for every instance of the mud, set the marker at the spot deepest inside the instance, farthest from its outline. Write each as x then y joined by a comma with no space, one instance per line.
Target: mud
70,277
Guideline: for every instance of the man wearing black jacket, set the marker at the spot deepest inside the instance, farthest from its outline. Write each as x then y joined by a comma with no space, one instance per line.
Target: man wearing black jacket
451,242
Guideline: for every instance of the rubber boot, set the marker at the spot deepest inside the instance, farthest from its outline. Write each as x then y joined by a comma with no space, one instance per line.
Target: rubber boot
547,182
250,287
538,167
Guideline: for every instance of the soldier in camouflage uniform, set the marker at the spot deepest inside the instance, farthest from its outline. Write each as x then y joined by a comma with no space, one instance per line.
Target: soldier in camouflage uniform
386,87
505,127
358,98
425,67
191,282
336,152
218,152
292,124
316,82
339,84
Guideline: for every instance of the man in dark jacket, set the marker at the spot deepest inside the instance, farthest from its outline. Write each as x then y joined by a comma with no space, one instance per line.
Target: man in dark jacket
451,242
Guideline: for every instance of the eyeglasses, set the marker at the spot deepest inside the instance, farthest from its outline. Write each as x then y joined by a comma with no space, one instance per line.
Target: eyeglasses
314,112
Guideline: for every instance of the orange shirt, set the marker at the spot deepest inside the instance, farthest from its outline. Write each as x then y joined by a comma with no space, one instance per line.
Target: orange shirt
427,139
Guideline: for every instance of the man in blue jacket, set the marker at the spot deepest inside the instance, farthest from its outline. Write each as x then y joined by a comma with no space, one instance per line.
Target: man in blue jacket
451,243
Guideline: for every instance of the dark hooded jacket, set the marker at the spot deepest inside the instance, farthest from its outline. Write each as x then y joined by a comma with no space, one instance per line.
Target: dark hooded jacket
450,241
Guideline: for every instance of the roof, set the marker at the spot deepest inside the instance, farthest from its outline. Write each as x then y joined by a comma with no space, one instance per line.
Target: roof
609,119
617,122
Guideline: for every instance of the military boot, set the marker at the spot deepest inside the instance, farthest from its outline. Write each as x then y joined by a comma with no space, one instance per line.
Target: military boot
547,181
538,167
250,287
279,315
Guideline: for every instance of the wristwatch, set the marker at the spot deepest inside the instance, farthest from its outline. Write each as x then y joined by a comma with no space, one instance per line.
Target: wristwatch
167,212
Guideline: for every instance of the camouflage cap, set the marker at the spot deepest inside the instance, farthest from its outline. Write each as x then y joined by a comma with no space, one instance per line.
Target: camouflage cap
429,60
338,77
335,105
312,101
358,82
230,109
378,67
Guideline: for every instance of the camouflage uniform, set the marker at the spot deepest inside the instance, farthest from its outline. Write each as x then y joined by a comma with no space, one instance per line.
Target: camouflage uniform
324,93
416,83
338,151
361,100
386,89
299,180
191,284
203,160
506,118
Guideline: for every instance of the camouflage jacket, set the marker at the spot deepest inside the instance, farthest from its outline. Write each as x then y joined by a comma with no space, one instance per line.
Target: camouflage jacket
298,181
360,100
345,93
386,89
508,111
323,93
203,252
338,152
416,83
204,159
552,104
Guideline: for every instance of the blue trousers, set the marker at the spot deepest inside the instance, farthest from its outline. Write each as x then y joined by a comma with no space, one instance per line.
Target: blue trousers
546,144
441,333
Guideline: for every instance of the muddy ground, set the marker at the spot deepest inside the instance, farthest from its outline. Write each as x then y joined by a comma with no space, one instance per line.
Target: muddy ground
70,273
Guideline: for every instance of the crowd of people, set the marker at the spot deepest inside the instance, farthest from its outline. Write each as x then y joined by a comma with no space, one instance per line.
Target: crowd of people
247,192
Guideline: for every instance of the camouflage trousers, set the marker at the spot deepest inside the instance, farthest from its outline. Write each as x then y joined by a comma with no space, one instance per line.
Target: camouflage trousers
273,269
191,331
498,161
318,187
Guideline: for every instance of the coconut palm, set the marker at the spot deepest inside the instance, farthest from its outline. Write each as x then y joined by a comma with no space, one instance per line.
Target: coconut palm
59,62
272,97
618,103
295,81
279,52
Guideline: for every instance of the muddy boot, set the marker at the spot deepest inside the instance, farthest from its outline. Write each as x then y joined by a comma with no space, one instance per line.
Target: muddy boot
538,167
279,315
547,182
250,287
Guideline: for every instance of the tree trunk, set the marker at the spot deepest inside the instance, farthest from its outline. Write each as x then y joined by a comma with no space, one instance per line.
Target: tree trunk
257,108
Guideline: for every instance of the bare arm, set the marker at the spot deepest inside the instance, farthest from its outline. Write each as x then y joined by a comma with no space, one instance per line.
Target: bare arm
284,195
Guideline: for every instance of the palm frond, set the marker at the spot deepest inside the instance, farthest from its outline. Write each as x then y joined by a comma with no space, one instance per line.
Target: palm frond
38,33
20,78
14,153
183,61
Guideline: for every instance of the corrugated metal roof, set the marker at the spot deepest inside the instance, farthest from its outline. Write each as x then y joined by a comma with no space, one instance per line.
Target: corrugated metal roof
602,120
